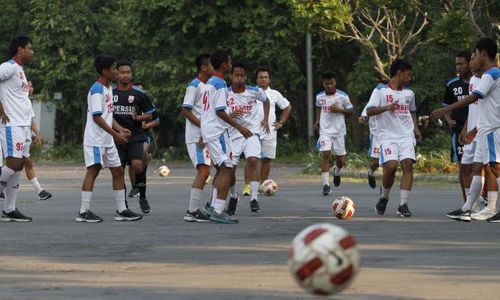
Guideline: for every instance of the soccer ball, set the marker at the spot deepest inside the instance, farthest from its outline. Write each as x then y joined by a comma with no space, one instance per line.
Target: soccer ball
268,187
323,259
163,171
343,207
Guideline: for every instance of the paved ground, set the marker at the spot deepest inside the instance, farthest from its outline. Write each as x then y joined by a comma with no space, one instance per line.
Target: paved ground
162,257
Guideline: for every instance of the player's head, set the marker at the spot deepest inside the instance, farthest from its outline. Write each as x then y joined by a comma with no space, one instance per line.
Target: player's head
263,77
329,79
474,64
221,61
202,62
22,48
462,60
486,51
238,75
401,70
105,66
125,72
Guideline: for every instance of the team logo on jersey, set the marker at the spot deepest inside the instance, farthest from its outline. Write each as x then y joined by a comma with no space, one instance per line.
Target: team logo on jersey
130,99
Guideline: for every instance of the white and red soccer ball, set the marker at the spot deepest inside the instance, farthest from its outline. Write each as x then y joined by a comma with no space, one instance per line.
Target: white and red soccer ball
323,259
343,207
163,171
268,187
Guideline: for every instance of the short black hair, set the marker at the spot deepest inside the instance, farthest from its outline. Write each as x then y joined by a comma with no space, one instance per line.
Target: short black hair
328,75
489,46
464,54
239,64
122,63
19,41
201,59
218,57
399,65
262,69
103,62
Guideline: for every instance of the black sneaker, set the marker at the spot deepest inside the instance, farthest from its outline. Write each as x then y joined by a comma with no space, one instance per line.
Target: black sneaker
145,208
460,215
254,205
196,216
232,206
326,190
127,215
134,193
88,217
15,216
2,195
404,211
336,180
494,219
372,181
381,205
44,195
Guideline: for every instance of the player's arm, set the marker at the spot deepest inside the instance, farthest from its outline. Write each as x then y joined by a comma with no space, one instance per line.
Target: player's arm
154,123
440,112
38,136
147,108
6,71
418,135
186,111
3,116
188,104
318,118
221,113
335,109
448,99
265,120
285,114
373,111
470,136
119,137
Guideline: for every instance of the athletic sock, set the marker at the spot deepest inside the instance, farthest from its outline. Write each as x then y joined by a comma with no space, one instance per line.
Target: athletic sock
85,204
385,192
11,192
492,200
232,191
195,199
120,200
405,196
324,177
254,188
36,185
219,205
474,192
5,176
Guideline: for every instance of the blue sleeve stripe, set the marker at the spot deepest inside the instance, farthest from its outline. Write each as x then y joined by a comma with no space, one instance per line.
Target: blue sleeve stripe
96,89
412,111
151,111
187,106
481,95
368,107
96,113
220,108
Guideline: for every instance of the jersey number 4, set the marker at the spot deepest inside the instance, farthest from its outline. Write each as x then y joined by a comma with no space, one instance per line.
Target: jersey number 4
206,104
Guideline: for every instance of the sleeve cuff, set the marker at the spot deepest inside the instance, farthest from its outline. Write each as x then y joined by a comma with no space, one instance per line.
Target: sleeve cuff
220,108
481,95
97,113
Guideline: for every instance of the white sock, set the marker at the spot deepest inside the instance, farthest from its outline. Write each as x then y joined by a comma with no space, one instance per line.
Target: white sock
466,192
232,191
492,200
370,172
405,196
85,204
195,199
120,200
219,205
214,196
474,191
324,177
36,185
254,188
337,171
385,192
11,192
5,176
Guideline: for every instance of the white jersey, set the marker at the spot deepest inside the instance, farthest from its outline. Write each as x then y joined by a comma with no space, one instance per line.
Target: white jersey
14,91
275,99
246,101
372,121
472,117
99,101
193,101
332,124
488,89
213,99
397,125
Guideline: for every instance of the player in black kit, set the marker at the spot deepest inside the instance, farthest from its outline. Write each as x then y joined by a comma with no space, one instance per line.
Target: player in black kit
132,107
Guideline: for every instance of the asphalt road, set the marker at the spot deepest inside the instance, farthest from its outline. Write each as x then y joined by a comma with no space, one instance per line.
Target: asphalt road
163,257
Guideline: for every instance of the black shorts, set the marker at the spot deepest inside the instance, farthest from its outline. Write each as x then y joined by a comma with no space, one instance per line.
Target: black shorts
131,151
456,149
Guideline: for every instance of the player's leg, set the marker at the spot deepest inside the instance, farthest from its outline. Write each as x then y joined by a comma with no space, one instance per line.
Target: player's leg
495,168
325,171
253,151
373,152
238,146
389,162
30,173
93,162
135,155
201,161
338,147
246,188
265,169
134,191
406,155
268,149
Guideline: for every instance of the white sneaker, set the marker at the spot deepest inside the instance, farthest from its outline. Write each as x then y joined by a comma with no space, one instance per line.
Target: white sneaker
482,202
483,215
475,208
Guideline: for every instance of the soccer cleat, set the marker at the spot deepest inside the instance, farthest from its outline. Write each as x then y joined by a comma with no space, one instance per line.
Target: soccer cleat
222,218
15,216
127,215
134,193
372,181
254,205
196,216
495,218
145,208
381,205
326,190
44,195
404,211
88,217
483,215
232,205
246,190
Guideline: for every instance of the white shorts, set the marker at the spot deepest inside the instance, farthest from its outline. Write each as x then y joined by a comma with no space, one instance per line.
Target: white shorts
198,156
478,154
397,151
490,147
107,157
250,147
220,151
328,143
374,149
468,152
268,147
16,141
